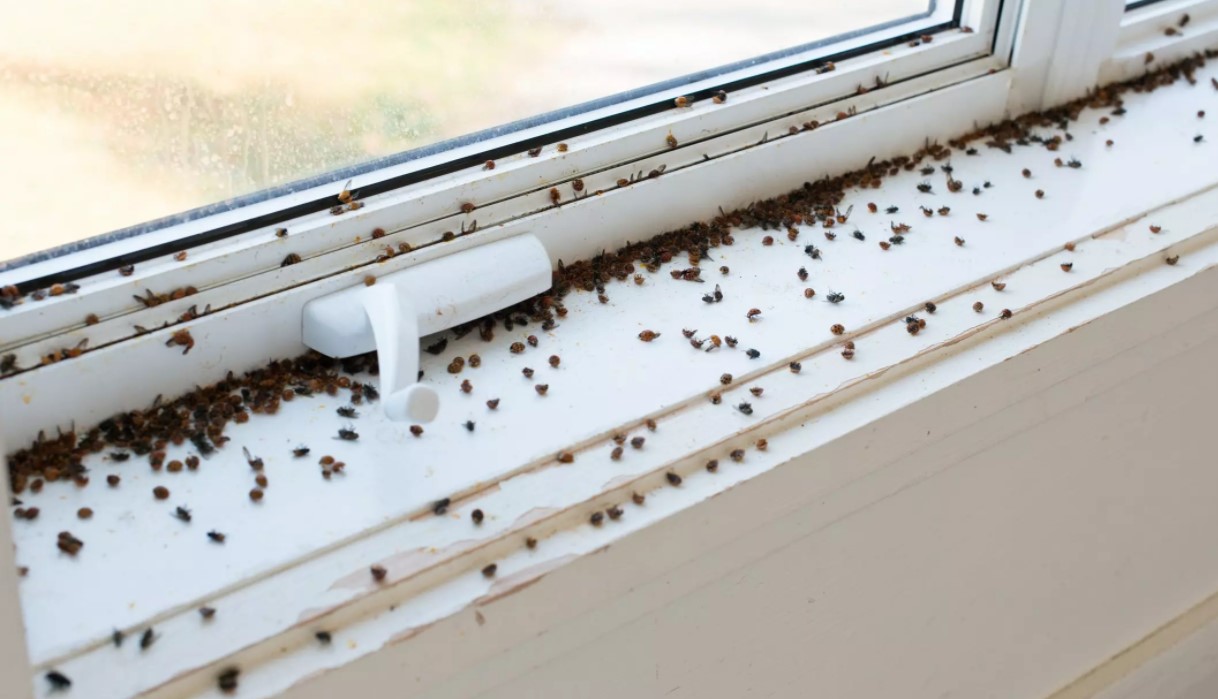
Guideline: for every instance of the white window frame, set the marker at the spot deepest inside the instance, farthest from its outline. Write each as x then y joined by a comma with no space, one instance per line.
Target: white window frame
936,90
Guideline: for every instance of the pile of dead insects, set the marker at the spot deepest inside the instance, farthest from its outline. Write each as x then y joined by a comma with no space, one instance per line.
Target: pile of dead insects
202,415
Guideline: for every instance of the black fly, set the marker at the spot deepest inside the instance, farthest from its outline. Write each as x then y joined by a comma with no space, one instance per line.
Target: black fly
835,297
348,434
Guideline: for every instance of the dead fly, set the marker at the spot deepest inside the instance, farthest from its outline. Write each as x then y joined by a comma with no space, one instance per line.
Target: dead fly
835,297
227,680
688,333
858,235
347,411
1074,163
752,353
255,462
752,314
812,251
925,188
899,228
648,335
745,408
897,239
348,433
181,338
58,680
928,170
182,513
217,537
300,451
927,212
714,297
147,638
731,341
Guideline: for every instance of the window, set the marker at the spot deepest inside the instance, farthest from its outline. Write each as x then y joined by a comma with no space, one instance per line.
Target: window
193,108
230,289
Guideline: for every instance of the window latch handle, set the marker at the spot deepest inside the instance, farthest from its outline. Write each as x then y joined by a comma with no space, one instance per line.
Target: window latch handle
391,315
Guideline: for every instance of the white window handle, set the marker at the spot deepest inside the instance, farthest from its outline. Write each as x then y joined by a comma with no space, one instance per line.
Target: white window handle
391,315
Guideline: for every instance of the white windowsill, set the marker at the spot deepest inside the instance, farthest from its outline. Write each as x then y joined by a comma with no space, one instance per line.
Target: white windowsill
298,562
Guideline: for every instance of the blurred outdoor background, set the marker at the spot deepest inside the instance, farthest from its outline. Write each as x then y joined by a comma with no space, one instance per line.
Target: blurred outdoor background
118,112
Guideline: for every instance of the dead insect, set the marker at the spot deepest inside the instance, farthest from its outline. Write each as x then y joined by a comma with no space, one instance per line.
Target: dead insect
1067,266
848,353
439,507
812,251
117,637
752,314
207,612
348,433
978,306
835,297
527,372
300,451
795,367
930,307
181,338
147,638
182,513
291,258
1155,229
217,537
673,479
719,97
737,455
725,379
255,462
688,333
858,235
227,680
565,457
982,217
493,403
477,516
671,140
648,335
466,386
58,680
752,353
998,286
1198,138
541,388
959,241
597,518
347,411
925,187
378,572
637,442
944,210
1074,163
897,239
731,341
1005,314
1172,260
416,430
1027,172
468,425
616,454
745,408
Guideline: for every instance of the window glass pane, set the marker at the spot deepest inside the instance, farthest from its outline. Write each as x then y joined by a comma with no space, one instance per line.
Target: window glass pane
127,110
